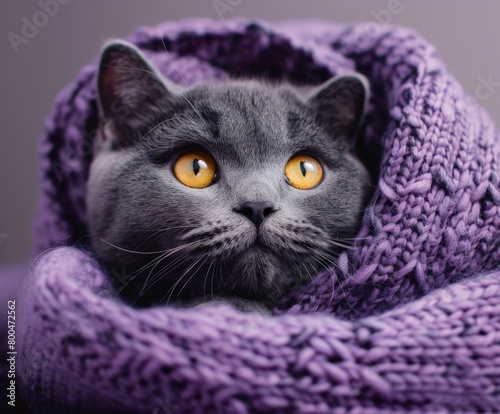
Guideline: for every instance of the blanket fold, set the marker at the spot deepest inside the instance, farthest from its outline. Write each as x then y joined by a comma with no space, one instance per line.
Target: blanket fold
435,353
407,320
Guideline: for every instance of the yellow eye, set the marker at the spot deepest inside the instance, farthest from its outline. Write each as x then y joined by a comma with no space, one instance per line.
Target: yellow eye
195,169
303,172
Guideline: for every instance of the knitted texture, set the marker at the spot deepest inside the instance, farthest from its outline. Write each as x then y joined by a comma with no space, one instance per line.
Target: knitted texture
409,319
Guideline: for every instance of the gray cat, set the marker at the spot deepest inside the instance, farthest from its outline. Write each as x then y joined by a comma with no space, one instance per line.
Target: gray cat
241,189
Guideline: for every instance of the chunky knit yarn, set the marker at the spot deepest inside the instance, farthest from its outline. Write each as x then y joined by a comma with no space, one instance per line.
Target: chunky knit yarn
408,320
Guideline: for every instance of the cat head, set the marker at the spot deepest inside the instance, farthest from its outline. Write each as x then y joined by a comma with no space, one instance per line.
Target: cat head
240,188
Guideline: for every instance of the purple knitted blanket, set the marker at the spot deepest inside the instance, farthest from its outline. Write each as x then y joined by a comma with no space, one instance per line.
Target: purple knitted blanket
408,321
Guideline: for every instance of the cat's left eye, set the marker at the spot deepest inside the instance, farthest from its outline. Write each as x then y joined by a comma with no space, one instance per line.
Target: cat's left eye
303,172
195,169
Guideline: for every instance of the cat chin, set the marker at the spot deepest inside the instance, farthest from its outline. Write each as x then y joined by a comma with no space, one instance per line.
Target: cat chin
259,273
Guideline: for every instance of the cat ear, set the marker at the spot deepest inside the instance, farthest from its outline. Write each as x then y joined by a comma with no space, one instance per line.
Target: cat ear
130,90
340,104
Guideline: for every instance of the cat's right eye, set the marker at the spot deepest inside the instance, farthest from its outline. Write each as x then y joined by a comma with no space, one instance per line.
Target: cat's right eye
195,169
303,172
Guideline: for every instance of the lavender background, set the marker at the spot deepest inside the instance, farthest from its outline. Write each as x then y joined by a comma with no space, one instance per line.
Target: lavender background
466,34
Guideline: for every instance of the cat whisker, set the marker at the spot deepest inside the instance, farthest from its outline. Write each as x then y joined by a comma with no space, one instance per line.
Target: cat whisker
307,270
180,74
168,254
166,271
156,126
327,263
153,264
141,292
320,61
127,250
170,251
150,264
325,259
351,238
299,272
193,275
159,232
145,230
206,277
278,289
166,50
163,273
234,285
172,289
212,281
338,244
346,297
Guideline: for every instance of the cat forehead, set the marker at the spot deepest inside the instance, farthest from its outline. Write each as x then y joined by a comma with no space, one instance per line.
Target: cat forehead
241,122
253,114
243,88
247,97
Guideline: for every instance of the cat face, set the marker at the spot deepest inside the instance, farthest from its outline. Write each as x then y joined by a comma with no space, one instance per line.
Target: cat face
240,188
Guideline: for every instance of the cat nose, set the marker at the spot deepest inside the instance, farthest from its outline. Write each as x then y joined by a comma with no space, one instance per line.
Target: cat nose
256,211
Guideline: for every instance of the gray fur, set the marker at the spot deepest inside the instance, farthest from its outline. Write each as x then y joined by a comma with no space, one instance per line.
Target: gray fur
135,203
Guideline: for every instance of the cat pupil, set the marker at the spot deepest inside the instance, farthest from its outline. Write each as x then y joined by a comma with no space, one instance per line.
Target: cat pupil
197,164
305,167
